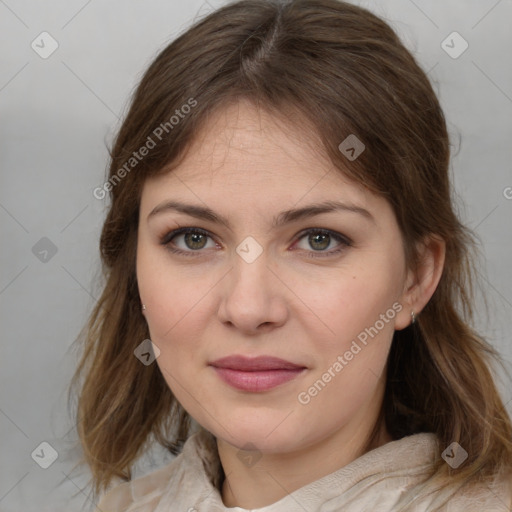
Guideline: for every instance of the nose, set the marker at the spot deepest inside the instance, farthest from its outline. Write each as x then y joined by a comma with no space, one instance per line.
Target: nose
253,297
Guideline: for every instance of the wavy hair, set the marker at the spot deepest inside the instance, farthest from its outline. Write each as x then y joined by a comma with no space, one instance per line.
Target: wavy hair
344,71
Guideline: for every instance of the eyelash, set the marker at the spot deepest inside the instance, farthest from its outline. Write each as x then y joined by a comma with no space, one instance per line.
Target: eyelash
343,240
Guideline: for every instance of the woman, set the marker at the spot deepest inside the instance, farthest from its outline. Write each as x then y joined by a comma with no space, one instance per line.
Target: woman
288,288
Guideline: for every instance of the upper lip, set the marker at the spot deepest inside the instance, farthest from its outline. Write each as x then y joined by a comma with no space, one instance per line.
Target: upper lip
260,363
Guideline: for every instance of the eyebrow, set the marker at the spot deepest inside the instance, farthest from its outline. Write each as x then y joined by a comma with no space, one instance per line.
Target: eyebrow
285,217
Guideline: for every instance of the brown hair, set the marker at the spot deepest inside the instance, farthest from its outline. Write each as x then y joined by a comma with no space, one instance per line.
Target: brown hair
345,71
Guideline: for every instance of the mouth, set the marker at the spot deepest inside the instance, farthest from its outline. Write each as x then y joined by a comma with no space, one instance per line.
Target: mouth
256,374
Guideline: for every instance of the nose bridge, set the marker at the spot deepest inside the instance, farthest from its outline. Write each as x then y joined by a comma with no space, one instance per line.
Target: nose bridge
251,296
249,275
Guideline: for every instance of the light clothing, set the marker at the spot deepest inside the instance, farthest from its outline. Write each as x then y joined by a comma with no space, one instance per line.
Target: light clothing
390,478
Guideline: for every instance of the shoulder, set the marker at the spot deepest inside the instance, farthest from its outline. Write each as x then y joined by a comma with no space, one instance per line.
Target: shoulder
144,493
495,496
408,465
439,494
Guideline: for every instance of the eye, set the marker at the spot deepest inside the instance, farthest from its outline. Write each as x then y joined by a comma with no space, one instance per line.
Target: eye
320,240
194,239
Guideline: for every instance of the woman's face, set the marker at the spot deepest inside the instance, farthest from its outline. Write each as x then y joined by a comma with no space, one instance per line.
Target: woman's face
269,269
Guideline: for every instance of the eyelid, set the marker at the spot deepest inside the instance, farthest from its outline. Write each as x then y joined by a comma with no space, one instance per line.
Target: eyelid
184,230
343,240
334,234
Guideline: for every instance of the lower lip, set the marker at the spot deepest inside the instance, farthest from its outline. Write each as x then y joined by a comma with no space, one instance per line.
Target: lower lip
257,381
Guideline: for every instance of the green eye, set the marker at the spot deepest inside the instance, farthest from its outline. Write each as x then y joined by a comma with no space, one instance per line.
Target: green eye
196,239
320,239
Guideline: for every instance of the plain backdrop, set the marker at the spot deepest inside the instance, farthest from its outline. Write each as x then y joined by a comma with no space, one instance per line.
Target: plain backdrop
58,115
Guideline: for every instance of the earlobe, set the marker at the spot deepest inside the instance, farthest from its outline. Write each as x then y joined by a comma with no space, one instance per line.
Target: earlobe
422,282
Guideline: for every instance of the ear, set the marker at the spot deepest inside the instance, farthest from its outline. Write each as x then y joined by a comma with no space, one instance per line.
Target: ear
421,283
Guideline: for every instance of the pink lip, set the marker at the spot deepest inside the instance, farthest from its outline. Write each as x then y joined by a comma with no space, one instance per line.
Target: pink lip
256,374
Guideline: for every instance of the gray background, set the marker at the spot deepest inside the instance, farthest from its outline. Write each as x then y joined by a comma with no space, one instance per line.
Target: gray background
57,116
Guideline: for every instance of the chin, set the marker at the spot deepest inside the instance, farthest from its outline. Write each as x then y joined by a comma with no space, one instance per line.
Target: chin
258,432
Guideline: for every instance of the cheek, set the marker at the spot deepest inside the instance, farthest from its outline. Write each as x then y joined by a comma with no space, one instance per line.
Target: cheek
175,298
356,312
340,306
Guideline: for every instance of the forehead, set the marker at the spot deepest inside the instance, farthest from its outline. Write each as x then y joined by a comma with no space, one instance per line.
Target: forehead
241,138
249,148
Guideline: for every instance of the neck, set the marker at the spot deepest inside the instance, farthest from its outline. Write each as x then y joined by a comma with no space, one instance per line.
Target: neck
283,473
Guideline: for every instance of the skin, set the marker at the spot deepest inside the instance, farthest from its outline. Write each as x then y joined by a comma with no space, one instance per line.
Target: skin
248,168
